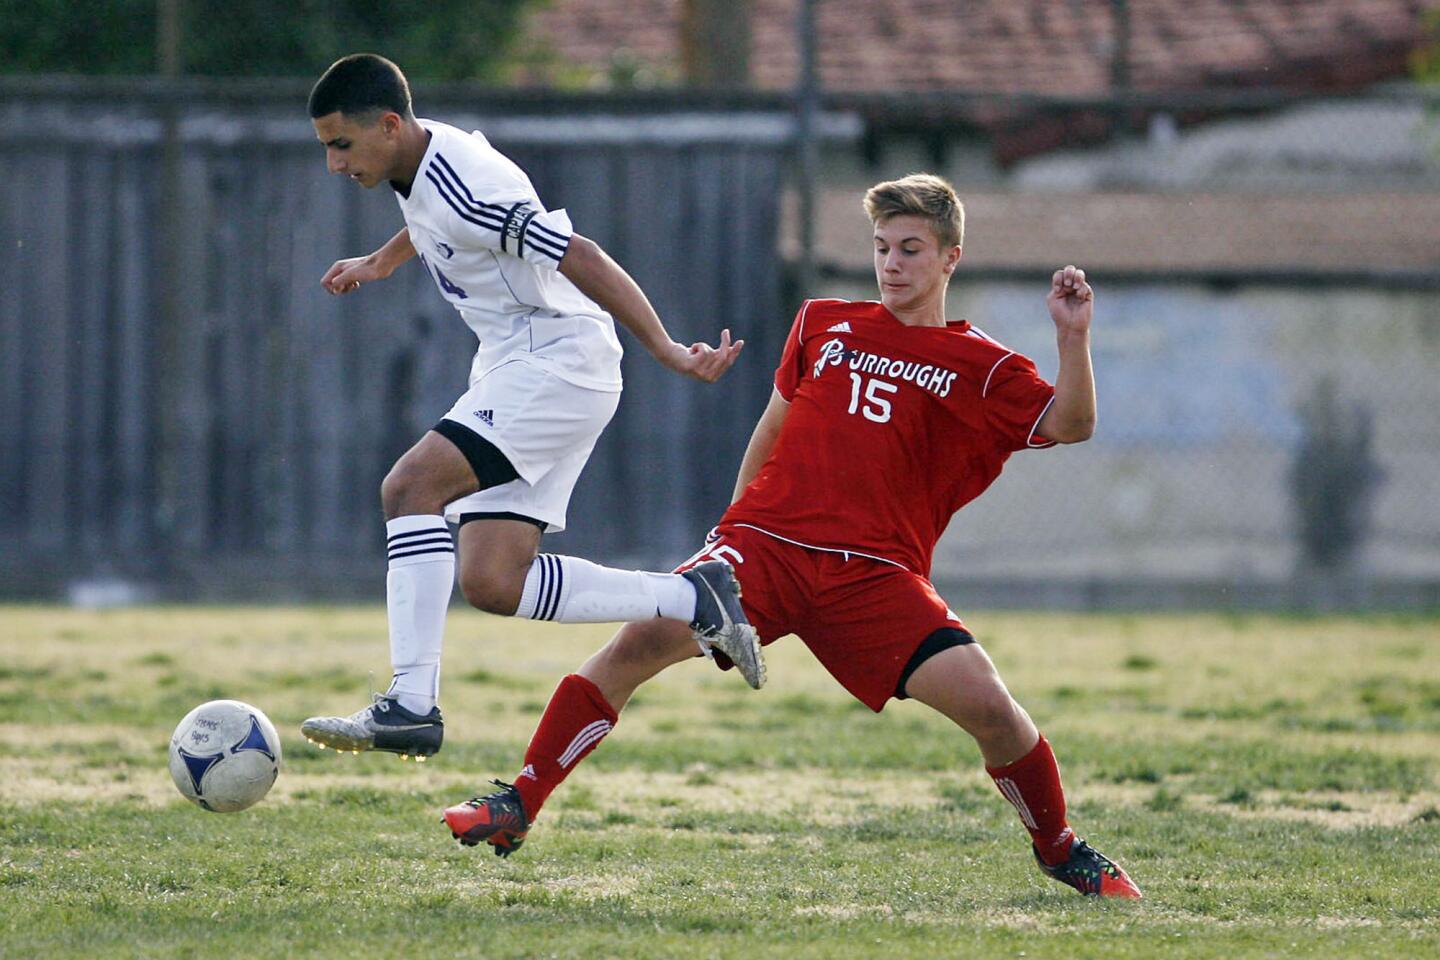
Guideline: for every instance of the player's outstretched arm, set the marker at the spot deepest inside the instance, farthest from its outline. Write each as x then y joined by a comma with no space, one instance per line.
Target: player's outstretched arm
603,280
345,276
1071,418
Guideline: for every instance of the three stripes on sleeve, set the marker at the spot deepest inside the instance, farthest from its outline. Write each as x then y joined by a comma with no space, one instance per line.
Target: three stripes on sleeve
516,223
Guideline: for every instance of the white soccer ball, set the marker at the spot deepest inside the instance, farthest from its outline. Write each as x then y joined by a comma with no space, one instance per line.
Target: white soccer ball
225,755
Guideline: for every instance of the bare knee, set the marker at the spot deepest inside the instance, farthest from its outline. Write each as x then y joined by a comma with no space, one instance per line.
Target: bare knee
405,492
1002,729
490,590
963,684
495,558
427,477
991,711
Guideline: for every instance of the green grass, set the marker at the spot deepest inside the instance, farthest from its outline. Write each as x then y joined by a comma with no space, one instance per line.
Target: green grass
1269,781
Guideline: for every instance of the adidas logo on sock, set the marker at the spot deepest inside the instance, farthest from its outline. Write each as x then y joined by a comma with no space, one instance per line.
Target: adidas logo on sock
842,327
486,415
529,771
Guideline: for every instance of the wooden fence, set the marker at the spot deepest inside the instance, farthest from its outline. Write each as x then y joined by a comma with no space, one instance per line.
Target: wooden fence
181,403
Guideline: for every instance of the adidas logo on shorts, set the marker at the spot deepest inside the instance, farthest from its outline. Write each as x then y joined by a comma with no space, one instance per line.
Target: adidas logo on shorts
488,416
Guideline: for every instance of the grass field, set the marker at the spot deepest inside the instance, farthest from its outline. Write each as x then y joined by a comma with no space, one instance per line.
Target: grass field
1270,782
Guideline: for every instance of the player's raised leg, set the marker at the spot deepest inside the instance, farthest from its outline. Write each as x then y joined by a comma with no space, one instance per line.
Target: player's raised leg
565,589
421,555
962,683
502,572
582,711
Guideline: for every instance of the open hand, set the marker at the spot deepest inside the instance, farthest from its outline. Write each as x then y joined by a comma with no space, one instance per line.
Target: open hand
702,361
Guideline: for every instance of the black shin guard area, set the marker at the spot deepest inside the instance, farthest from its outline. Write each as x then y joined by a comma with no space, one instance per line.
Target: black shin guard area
942,639
469,517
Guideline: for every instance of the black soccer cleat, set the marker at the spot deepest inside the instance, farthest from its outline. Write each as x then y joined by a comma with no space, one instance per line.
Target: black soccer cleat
720,622
498,819
1091,872
384,725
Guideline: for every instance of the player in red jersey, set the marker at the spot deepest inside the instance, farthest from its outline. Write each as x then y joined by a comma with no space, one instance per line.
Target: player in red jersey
871,400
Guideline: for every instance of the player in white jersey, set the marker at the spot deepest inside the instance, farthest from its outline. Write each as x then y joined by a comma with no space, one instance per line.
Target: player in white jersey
546,379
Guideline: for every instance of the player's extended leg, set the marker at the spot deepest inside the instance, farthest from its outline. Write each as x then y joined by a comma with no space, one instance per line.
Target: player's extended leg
582,710
406,720
501,572
961,682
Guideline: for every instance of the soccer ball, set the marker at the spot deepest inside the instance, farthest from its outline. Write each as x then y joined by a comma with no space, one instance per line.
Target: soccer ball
225,755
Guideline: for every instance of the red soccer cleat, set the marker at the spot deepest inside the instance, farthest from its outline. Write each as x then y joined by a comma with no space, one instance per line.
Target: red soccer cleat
1092,873
498,820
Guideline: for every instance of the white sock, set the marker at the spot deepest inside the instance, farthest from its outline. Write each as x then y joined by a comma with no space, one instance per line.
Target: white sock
572,590
417,595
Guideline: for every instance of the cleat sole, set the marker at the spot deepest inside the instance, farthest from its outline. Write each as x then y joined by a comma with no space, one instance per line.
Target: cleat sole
342,744
742,644
747,652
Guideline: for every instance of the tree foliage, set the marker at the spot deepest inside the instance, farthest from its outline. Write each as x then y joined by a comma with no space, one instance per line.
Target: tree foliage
433,40
1425,61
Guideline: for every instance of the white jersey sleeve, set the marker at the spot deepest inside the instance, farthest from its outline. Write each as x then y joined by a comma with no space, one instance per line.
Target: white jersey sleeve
496,210
484,235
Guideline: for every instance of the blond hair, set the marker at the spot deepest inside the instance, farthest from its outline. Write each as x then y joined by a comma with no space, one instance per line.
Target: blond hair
921,195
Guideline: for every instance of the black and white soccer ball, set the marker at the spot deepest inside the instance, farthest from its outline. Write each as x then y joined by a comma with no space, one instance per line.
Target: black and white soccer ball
225,755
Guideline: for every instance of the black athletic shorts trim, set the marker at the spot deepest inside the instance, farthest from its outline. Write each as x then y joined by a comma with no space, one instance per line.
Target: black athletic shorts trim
491,467
467,517
942,639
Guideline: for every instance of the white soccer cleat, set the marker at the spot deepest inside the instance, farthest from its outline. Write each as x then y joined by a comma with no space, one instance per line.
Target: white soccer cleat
384,725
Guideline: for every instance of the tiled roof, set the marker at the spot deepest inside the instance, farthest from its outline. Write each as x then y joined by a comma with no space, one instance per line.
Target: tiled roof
1038,46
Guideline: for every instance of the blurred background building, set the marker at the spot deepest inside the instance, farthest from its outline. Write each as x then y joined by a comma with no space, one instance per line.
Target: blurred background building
1253,187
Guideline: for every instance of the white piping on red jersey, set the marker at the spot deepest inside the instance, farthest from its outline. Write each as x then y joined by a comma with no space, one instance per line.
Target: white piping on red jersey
978,334
986,389
805,311
847,554
1047,443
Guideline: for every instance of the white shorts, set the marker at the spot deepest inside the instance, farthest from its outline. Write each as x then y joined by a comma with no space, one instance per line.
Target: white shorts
545,426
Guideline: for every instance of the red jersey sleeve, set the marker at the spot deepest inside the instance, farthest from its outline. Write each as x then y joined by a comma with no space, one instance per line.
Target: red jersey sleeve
792,360
1016,397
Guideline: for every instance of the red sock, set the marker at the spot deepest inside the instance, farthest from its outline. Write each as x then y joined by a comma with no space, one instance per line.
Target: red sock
1032,785
575,721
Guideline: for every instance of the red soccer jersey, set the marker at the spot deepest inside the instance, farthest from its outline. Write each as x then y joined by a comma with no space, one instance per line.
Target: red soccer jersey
891,429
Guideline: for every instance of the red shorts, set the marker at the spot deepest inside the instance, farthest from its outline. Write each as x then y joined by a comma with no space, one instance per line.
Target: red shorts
862,618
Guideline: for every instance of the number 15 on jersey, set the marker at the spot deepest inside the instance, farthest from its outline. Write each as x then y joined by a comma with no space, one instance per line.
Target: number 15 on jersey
876,407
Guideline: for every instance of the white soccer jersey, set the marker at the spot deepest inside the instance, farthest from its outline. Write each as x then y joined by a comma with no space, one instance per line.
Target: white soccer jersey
493,249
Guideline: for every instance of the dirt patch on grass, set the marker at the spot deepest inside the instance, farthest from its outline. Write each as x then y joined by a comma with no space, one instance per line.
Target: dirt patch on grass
821,796
41,736
1334,809
845,911
32,781
26,781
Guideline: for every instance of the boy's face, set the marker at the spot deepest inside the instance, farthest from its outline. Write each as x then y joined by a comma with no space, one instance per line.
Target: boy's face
361,147
910,266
